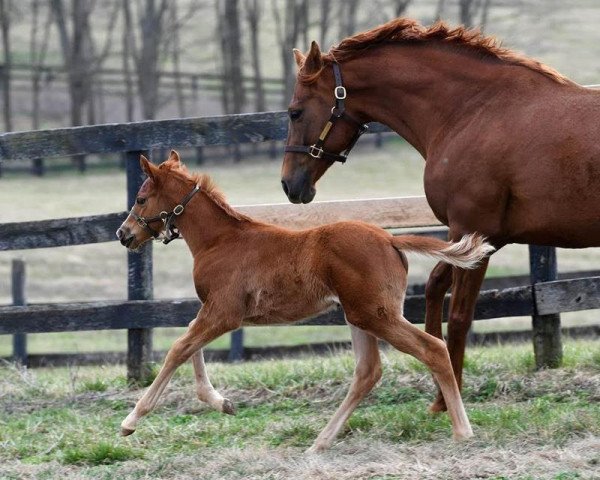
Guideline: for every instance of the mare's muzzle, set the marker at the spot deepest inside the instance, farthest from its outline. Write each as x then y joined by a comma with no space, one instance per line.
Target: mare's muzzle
298,187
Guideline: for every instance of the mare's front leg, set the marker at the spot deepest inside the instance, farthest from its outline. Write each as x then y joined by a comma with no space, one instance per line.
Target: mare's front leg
212,321
465,291
204,389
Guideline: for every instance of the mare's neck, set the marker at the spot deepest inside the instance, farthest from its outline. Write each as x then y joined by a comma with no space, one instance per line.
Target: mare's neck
203,223
419,90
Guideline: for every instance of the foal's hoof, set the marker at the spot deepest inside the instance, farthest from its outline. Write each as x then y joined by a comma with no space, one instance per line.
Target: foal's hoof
228,407
459,437
125,432
316,448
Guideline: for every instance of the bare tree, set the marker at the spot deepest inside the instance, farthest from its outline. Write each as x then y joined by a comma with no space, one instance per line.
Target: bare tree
38,50
287,30
175,48
400,7
232,91
152,22
253,15
440,11
470,9
347,17
128,43
5,7
324,21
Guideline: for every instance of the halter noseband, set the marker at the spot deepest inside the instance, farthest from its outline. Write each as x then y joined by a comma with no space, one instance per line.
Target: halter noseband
167,218
337,112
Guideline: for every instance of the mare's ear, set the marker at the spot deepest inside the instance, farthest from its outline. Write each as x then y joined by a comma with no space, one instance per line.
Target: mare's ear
147,167
313,62
299,57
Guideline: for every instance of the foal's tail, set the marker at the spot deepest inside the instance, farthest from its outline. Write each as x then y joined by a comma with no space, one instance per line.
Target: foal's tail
464,254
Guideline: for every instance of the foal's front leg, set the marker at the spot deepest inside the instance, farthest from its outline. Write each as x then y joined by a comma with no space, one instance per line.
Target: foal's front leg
210,324
204,389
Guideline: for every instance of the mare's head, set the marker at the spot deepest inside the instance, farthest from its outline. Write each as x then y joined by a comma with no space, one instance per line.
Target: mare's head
148,217
316,102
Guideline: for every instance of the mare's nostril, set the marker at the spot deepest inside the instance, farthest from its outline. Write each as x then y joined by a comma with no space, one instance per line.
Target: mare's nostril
119,234
286,190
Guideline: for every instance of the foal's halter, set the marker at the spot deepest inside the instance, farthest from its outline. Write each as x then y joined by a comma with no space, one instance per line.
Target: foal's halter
337,112
167,218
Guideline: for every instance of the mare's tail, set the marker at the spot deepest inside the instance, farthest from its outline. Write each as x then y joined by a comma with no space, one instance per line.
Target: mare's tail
466,253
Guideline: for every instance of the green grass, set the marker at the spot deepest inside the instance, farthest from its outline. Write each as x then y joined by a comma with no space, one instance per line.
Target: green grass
71,417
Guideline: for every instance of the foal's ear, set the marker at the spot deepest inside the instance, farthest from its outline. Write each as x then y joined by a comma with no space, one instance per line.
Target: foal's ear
313,62
147,167
174,158
299,57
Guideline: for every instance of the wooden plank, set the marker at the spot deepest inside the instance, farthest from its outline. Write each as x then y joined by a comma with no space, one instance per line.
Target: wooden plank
547,343
385,212
398,212
567,296
178,313
154,134
60,232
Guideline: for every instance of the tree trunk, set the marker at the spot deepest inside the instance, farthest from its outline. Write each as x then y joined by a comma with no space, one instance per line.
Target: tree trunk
253,15
127,42
152,31
5,6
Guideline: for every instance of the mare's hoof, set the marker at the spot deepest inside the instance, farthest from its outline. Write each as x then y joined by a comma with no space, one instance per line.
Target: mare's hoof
125,432
228,407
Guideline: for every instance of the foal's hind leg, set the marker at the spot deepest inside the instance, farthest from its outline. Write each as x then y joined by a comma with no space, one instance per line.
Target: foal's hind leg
366,374
404,336
204,389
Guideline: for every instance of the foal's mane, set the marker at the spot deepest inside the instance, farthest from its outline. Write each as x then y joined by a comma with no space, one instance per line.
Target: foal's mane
209,187
406,30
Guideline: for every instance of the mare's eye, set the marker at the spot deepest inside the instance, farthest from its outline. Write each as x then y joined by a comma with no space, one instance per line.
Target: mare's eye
294,114
140,200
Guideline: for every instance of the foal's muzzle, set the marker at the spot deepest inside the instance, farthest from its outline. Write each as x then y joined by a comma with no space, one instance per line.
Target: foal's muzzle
125,237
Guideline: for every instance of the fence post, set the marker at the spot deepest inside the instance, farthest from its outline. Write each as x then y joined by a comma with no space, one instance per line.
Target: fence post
236,347
18,296
139,283
547,344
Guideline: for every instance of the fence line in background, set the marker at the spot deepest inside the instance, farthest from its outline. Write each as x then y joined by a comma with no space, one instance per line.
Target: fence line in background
140,313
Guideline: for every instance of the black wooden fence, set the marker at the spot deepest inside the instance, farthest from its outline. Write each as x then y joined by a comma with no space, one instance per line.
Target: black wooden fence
543,298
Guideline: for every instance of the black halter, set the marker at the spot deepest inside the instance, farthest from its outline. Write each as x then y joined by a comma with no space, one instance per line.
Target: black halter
337,112
167,218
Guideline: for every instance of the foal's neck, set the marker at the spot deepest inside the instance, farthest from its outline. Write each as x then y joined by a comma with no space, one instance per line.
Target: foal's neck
203,222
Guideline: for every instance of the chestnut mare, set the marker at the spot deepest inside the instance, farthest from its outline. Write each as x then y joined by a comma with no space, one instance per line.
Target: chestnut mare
511,146
248,272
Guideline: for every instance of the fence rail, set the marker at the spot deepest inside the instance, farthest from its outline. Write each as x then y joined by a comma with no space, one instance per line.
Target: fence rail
541,298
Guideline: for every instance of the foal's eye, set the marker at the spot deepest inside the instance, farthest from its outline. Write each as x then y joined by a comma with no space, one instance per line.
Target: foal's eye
294,114
140,200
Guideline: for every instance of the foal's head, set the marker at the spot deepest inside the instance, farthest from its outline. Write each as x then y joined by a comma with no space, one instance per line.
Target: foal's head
156,203
316,101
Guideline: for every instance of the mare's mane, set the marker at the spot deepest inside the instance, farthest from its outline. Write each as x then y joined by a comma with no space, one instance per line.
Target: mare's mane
405,31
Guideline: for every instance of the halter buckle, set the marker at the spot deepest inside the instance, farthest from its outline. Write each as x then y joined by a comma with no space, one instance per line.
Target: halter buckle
141,222
178,210
339,92
315,151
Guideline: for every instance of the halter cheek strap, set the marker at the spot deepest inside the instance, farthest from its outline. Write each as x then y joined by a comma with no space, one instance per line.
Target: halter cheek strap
171,231
338,112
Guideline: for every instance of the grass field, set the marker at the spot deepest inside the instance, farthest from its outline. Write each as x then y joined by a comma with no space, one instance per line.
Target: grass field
98,272
63,423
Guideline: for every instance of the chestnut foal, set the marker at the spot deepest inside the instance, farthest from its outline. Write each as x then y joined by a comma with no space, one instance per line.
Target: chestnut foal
247,272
